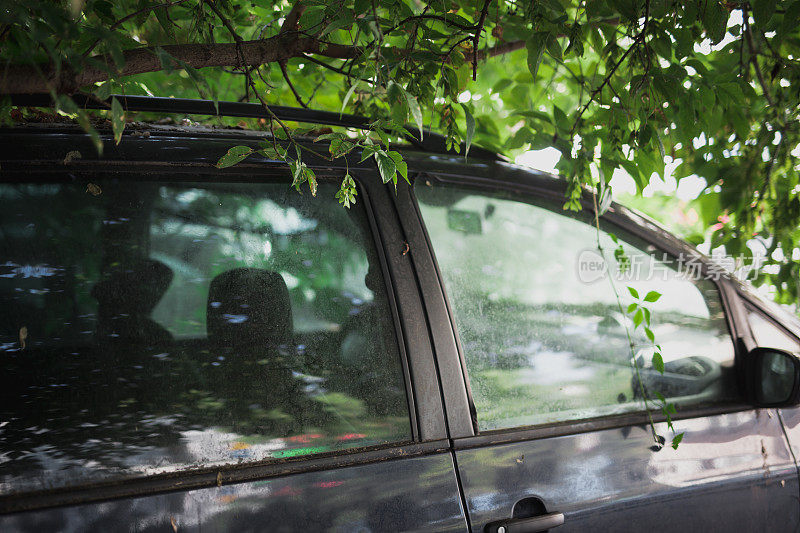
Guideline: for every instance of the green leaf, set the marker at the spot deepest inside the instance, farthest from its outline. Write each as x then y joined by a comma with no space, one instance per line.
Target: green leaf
233,156
676,440
638,318
168,63
163,20
386,167
715,19
117,120
347,96
763,10
312,181
347,191
103,91
116,54
270,152
401,165
506,82
652,296
345,21
340,147
535,44
658,362
632,307
649,333
791,18
312,18
86,124
633,292
368,151
330,136
383,136
470,128
413,108
560,119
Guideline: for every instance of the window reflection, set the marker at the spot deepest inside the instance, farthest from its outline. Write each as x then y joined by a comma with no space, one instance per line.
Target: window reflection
163,326
543,344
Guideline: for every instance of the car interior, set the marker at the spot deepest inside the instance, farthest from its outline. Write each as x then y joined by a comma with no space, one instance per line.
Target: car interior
159,325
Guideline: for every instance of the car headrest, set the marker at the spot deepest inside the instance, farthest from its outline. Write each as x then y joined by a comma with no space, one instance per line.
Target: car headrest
135,290
249,306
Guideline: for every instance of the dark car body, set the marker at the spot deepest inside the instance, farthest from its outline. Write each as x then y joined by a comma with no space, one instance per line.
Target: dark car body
734,470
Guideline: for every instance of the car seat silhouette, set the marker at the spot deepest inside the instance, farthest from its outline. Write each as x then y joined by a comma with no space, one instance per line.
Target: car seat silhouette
249,308
126,298
250,329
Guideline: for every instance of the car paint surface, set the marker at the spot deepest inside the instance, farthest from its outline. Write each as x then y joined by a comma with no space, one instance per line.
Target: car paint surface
414,494
730,472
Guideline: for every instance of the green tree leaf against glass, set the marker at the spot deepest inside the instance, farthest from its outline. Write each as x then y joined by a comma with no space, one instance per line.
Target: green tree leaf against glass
233,156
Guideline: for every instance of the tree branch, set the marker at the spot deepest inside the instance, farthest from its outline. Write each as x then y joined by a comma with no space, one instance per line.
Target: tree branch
297,97
500,49
27,79
476,40
754,59
292,20
636,42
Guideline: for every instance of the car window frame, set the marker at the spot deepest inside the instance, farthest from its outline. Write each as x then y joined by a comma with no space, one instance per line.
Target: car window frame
541,187
427,432
751,305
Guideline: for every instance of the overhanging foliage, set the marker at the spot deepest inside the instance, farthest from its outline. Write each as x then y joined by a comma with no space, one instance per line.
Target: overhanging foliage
612,84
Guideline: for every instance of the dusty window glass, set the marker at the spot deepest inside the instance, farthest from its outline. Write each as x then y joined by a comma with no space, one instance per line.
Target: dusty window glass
155,326
543,340
769,335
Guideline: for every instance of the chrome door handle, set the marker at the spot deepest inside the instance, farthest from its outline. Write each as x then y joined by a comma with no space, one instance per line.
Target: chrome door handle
526,525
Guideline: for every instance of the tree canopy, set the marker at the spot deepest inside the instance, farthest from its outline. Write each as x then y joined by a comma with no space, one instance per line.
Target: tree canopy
711,88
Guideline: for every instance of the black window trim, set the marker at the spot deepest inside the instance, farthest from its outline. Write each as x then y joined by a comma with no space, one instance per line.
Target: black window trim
207,477
421,442
450,364
553,190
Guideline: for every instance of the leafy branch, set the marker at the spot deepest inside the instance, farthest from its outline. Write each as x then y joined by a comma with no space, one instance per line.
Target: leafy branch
641,316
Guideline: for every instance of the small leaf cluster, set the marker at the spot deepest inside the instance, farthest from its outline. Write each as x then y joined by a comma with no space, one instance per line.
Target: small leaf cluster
641,316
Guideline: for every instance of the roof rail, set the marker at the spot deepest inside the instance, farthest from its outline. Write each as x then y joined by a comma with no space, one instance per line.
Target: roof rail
430,142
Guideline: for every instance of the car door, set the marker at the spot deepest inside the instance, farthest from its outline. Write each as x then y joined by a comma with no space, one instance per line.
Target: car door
560,431
771,327
213,352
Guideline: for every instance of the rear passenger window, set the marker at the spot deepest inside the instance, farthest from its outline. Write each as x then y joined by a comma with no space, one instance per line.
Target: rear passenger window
153,326
544,341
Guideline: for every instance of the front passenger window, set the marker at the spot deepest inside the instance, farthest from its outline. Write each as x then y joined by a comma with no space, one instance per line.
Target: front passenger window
545,342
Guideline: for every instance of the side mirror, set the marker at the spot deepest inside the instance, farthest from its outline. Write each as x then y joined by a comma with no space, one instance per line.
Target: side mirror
773,377
468,222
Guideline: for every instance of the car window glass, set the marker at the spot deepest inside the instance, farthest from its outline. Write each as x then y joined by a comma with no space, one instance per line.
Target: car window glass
152,326
544,341
768,335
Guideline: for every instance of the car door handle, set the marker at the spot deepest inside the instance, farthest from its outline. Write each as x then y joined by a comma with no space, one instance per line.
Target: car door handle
526,525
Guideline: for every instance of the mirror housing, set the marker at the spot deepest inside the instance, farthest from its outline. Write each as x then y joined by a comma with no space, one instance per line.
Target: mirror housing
773,378
468,222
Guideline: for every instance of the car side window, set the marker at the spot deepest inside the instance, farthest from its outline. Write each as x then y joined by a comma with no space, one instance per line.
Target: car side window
154,326
541,332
